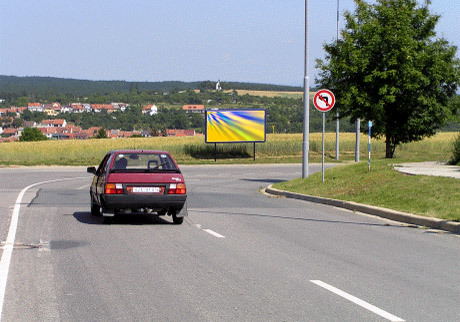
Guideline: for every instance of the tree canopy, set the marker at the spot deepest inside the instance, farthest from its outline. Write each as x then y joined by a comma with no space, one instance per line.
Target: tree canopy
101,134
18,90
390,69
32,134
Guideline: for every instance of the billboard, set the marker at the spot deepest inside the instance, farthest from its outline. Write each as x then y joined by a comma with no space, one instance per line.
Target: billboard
232,126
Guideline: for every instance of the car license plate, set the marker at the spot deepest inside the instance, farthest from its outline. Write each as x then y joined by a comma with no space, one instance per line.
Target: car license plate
152,190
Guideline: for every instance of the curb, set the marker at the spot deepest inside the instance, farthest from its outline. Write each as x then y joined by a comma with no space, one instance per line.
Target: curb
395,215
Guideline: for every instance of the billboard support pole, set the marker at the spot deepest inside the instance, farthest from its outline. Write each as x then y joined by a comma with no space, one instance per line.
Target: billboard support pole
254,151
215,152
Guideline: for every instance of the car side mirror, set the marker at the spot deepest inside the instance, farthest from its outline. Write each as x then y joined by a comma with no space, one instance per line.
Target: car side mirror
91,170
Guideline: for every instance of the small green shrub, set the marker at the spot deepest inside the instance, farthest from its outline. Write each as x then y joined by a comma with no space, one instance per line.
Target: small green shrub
456,151
32,134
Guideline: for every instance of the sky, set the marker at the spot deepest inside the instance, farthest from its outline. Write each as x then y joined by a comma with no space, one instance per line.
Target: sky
257,41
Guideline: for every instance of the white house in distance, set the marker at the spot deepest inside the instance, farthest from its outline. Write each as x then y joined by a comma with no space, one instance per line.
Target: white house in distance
35,107
120,106
54,123
150,109
66,109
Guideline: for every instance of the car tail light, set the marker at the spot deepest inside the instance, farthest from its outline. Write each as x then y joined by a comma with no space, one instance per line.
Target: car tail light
177,189
113,188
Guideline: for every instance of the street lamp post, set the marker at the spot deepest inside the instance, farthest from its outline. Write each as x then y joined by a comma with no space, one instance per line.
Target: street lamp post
306,103
337,115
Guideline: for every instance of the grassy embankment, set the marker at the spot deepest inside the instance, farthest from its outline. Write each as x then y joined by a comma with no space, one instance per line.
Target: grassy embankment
382,186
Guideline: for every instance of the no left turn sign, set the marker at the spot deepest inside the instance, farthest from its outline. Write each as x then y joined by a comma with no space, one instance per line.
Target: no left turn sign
324,100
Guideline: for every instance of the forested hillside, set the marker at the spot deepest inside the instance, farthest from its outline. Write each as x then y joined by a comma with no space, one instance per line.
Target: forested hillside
43,87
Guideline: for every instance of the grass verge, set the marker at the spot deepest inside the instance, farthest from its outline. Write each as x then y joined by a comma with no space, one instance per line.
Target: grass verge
384,187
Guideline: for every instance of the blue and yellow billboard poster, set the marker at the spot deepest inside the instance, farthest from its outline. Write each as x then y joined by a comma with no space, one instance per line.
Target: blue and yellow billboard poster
231,126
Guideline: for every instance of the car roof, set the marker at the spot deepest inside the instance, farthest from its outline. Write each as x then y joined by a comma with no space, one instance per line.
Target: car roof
136,151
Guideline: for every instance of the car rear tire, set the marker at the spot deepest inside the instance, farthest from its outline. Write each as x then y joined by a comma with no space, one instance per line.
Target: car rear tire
177,220
95,209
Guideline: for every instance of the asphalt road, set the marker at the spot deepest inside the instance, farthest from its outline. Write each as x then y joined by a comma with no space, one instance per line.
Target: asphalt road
239,256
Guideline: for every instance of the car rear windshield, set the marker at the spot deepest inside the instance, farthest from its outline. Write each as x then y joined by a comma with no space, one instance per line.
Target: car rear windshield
143,162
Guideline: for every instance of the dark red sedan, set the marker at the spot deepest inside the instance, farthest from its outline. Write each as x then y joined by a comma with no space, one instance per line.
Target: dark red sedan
138,182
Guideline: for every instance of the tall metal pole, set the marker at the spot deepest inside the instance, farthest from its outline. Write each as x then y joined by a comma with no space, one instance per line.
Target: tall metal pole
369,160
337,116
306,103
358,132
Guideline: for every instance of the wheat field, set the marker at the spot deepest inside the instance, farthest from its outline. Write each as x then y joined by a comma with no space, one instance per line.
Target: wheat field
277,148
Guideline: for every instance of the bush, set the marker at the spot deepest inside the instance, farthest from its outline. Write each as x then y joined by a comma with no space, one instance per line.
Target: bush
456,151
101,134
32,134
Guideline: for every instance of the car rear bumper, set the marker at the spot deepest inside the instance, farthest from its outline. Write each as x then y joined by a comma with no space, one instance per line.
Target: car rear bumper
168,203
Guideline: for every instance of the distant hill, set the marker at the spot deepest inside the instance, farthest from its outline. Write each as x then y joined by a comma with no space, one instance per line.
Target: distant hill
64,86
24,86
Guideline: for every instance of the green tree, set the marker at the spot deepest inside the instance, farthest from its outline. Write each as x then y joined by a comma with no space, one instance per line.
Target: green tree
197,121
32,134
179,120
389,68
18,122
206,86
101,134
21,101
27,115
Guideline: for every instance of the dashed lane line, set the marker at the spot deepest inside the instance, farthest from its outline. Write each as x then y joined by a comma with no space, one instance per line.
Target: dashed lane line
358,301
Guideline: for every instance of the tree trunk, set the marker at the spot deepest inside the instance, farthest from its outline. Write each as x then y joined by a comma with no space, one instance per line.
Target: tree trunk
390,148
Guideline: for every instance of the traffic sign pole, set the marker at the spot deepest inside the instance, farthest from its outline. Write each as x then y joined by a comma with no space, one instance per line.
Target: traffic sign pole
324,101
322,158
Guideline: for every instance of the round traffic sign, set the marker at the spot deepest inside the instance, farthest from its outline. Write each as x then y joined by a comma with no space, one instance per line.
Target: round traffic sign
324,100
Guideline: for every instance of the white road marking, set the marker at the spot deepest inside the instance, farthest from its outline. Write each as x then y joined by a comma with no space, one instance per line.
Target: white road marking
358,301
209,231
9,244
86,186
